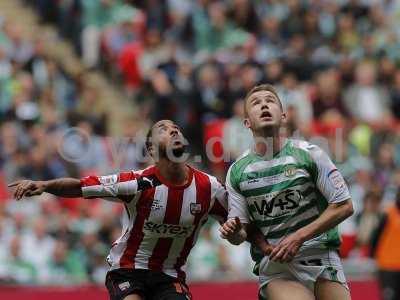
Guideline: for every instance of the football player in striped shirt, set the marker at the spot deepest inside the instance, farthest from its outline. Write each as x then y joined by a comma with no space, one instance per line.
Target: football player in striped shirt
165,206
294,194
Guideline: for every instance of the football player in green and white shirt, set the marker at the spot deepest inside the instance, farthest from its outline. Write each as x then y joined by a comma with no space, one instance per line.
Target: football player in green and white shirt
293,193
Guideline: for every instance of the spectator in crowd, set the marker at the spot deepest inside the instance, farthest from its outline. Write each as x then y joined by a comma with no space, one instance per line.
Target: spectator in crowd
395,94
295,100
14,269
328,95
385,247
64,267
207,262
366,100
36,239
236,138
95,16
368,220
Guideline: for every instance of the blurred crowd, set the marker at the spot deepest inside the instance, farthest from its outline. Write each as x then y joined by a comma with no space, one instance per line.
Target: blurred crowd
336,65
52,124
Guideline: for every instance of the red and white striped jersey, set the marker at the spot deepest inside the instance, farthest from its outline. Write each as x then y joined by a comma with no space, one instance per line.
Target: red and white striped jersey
162,223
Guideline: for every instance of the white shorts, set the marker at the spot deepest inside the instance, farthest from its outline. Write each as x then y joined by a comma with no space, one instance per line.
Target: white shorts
306,267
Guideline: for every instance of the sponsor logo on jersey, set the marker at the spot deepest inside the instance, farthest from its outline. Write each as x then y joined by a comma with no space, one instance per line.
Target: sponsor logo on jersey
253,181
167,230
278,205
108,180
195,208
124,286
156,204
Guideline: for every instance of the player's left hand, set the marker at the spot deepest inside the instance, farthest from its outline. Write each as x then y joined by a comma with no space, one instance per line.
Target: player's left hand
287,248
230,228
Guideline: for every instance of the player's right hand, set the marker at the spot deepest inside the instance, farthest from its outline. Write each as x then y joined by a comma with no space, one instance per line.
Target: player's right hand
230,228
27,188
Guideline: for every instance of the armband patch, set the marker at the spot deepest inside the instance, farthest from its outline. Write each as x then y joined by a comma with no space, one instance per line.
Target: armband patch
108,180
337,181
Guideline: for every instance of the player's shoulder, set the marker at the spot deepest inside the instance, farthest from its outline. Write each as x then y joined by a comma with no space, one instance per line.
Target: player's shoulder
148,171
202,174
313,152
305,146
242,161
214,181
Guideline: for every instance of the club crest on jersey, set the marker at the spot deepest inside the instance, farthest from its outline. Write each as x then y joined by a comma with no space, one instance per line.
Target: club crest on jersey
195,208
290,171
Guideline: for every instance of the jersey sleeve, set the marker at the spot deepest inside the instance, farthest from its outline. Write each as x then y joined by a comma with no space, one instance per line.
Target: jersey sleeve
327,178
219,208
237,205
120,187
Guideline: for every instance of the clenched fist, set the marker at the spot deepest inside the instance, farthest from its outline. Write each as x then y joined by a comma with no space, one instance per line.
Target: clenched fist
27,188
230,228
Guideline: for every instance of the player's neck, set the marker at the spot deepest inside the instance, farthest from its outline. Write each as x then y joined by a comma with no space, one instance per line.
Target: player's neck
176,173
268,143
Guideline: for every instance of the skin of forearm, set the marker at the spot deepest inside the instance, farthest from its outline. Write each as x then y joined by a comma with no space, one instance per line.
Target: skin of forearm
332,216
239,237
255,237
63,187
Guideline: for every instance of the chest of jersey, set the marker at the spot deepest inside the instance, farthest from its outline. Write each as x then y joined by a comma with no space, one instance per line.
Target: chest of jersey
276,192
171,213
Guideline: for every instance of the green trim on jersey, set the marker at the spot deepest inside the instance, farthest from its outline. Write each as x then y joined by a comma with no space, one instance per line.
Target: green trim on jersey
281,194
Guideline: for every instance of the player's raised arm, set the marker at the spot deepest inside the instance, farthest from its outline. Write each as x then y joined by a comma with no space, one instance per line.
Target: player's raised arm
117,187
64,187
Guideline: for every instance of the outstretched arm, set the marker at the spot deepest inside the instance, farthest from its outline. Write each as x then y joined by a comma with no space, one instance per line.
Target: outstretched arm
119,187
63,187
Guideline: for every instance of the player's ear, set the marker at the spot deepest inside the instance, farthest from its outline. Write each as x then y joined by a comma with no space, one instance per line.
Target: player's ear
150,150
284,117
246,123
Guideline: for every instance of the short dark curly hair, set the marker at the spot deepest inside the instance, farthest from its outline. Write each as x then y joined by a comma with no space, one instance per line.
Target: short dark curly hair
149,135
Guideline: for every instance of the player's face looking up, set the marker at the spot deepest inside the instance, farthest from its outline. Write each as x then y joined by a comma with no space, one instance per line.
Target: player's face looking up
165,136
263,110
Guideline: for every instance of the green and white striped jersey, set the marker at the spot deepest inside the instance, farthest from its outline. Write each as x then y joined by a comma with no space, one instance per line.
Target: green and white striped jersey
287,192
